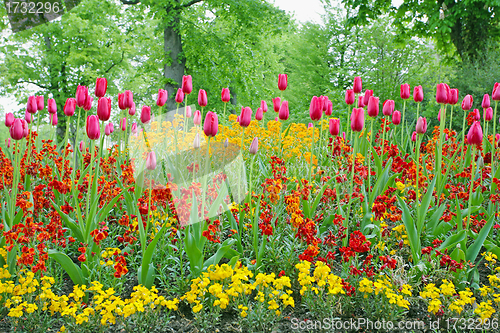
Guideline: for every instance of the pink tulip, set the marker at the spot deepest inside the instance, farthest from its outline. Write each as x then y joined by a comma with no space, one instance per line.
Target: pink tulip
132,110
373,106
53,119
263,105
441,93
133,128
128,99
196,141
284,113
414,136
254,146
310,125
179,96
495,95
315,108
282,82
151,161
361,103
32,106
418,94
121,104
39,103
145,114
477,115
104,108
88,103
349,97
123,124
421,126
343,135
25,128
187,84
475,135
245,117
276,104
111,127
81,146
366,97
202,98
357,86
81,95
329,108
197,118
107,130
93,131
189,113
101,85
488,114
334,126
17,129
324,102
225,95
453,98
357,119
162,97
276,119
7,142
486,101
396,117
388,107
27,117
51,106
9,119
259,114
405,91
467,103
211,124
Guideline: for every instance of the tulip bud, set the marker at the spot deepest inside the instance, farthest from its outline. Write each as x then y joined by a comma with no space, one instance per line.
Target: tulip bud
495,95
366,98
373,106
361,103
334,126
151,161
32,106
17,129
475,135
439,115
53,119
497,138
405,91
7,142
81,146
254,146
107,130
276,119
486,101
133,128
343,135
284,112
196,142
245,117
187,84
162,97
396,118
51,106
123,124
310,125
414,136
418,94
357,119
39,103
9,119
453,98
329,108
197,118
324,103
357,86
25,128
179,96
226,143
131,111
441,93
93,131
88,103
121,105
276,104
263,105
104,108
81,96
225,96
128,99
421,126
477,115
282,82
211,124
349,97
467,103
488,114
202,98
315,108
145,114
111,127
388,107
259,114
480,162
189,113
27,117
101,85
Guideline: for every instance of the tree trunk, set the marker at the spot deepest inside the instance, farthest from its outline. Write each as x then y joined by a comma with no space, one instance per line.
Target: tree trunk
174,69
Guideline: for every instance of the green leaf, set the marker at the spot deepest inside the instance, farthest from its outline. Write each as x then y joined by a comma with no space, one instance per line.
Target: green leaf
411,231
434,220
69,266
221,252
452,241
474,249
424,206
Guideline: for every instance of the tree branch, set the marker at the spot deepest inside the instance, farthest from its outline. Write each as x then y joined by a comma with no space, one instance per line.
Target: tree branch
190,3
36,84
116,63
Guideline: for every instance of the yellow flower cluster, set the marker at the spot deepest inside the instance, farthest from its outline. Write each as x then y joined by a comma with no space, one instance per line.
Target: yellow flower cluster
384,287
446,293
321,278
401,234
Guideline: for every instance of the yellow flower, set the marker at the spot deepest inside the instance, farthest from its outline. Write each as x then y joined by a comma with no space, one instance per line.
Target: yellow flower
400,186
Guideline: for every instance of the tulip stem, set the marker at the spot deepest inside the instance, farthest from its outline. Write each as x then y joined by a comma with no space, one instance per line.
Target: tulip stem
38,128
89,186
384,122
418,109
463,132
472,174
368,155
64,149
451,118
149,207
242,167
75,151
493,153
437,165
417,148
225,119
403,121
311,159
351,186
103,137
249,198
205,176
347,120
